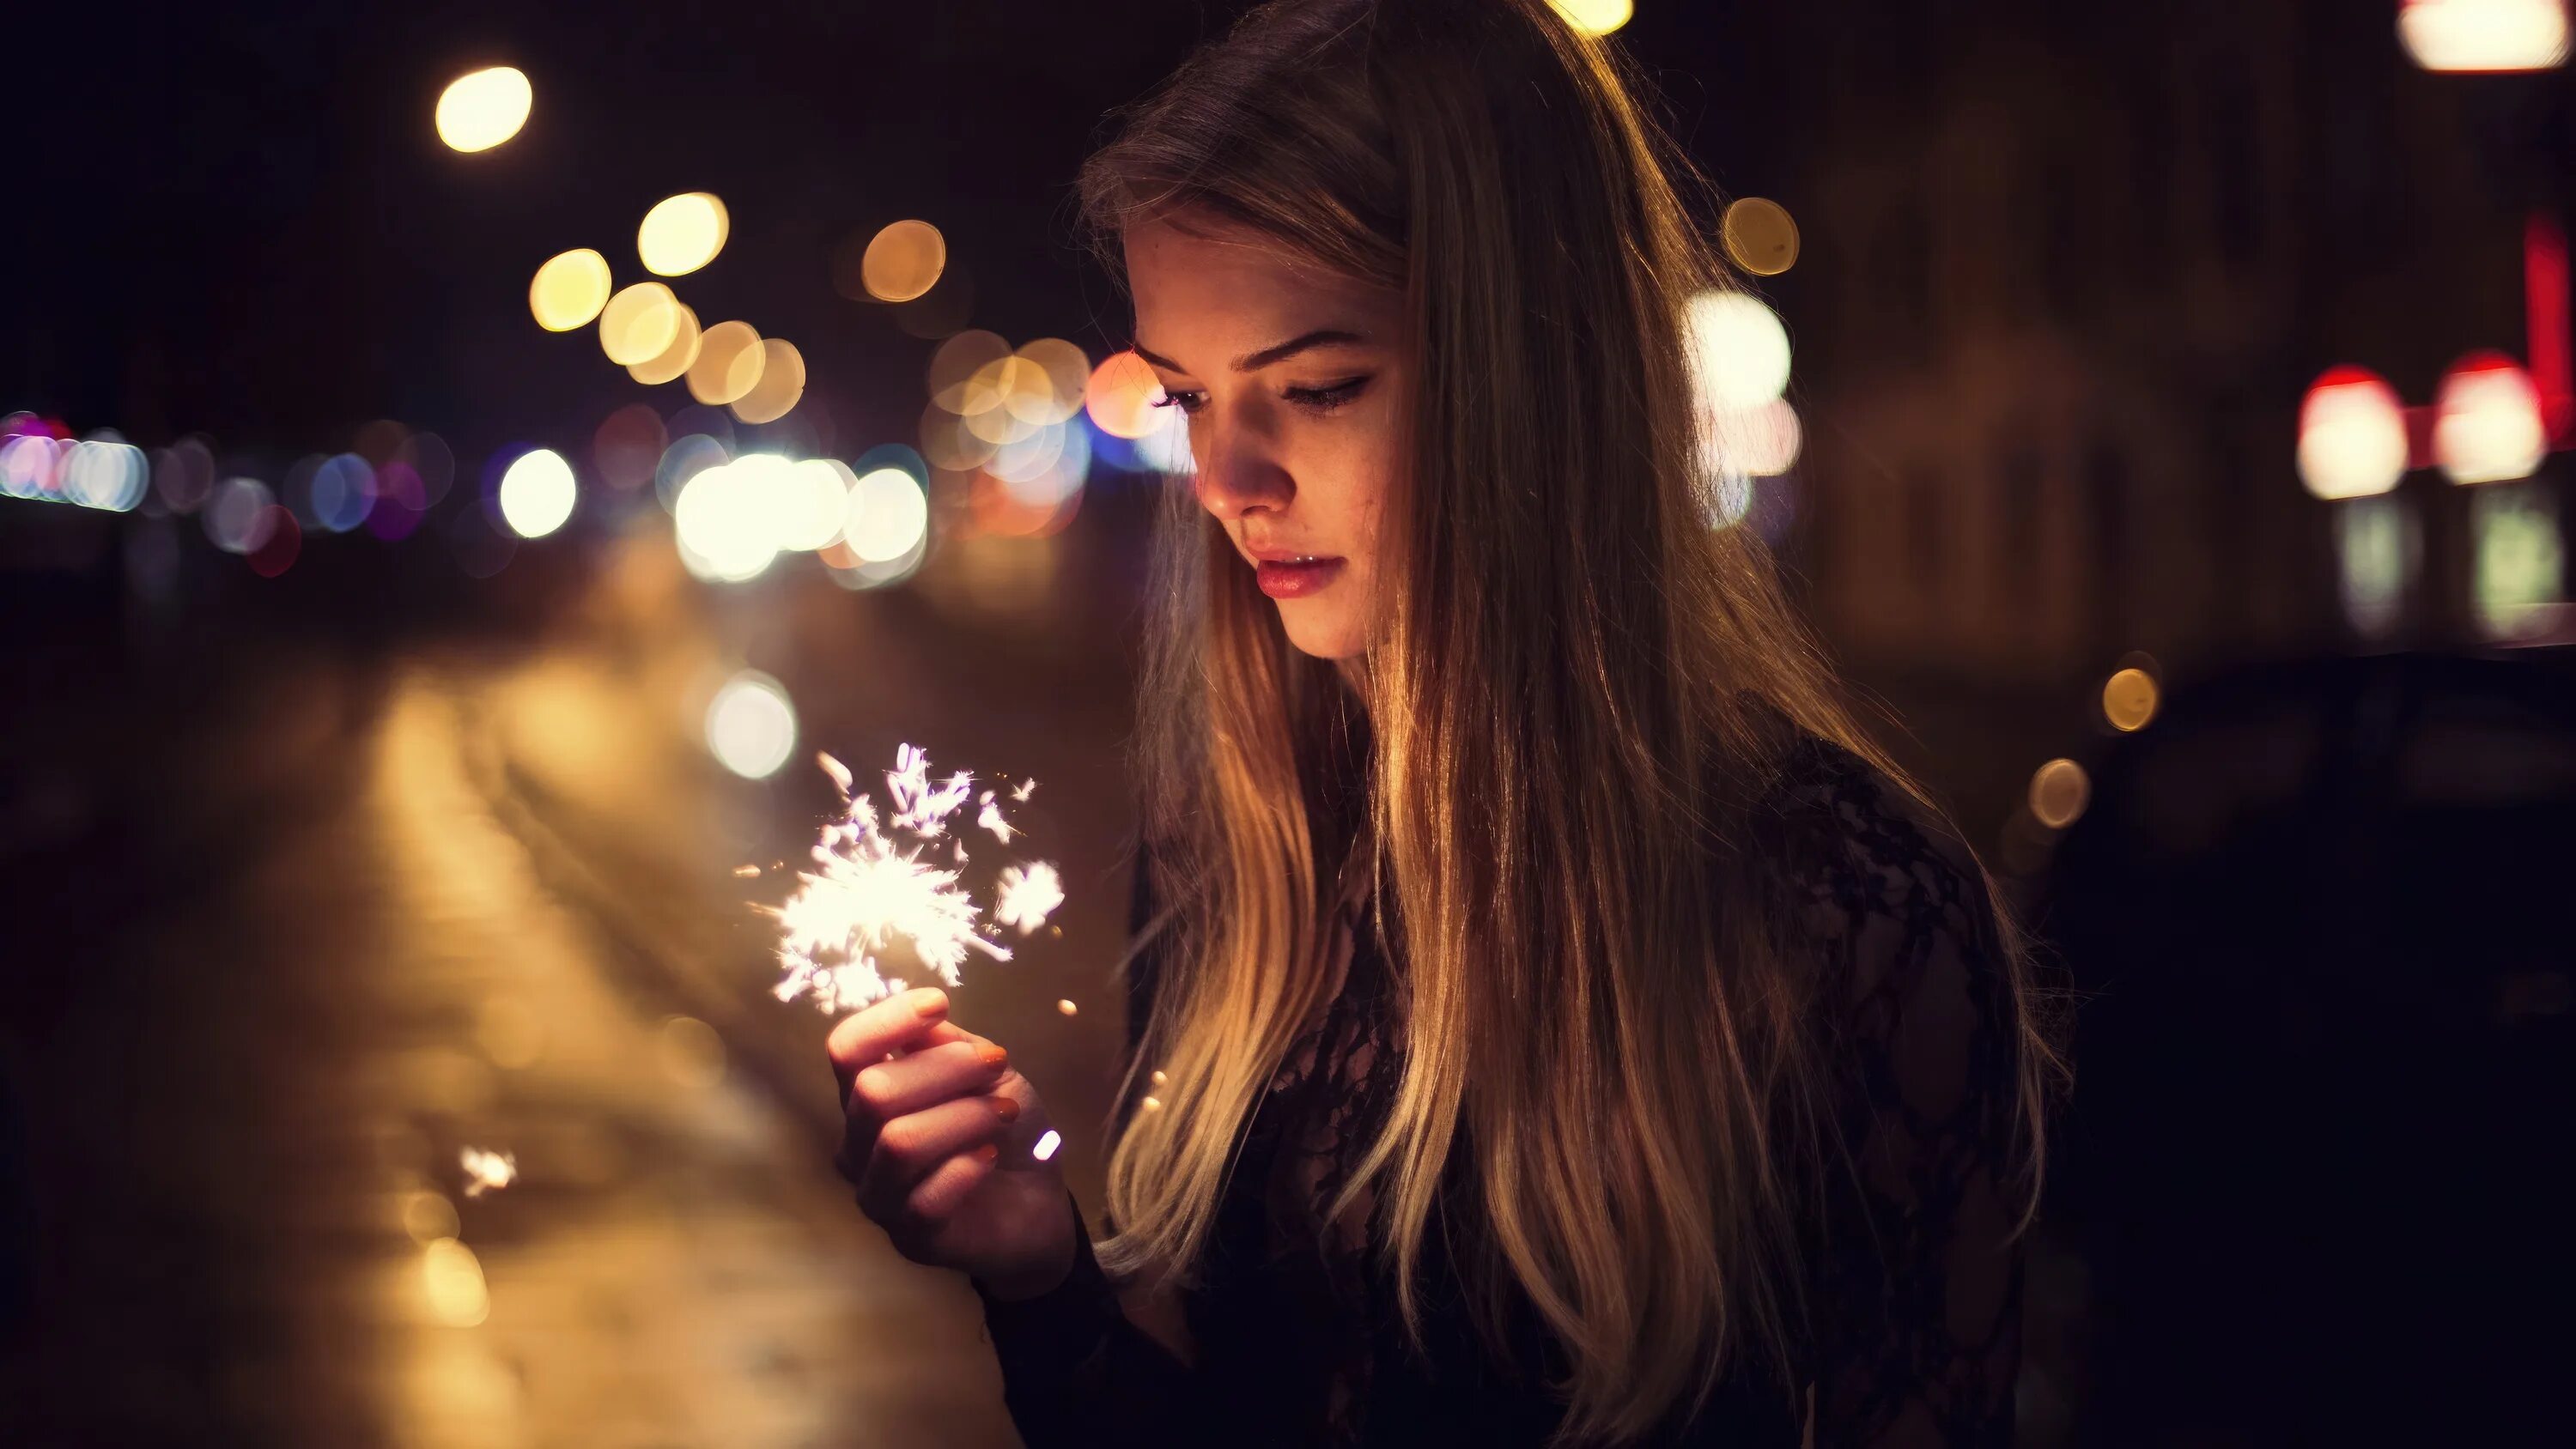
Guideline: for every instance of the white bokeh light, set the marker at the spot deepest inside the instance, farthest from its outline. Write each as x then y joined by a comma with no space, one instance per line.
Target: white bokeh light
751,726
889,516
1739,352
537,493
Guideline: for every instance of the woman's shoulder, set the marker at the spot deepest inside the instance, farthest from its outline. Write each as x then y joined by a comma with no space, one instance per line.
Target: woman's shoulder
1878,876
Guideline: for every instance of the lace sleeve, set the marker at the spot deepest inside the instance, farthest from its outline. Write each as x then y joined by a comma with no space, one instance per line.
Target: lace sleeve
1915,1288
1075,1369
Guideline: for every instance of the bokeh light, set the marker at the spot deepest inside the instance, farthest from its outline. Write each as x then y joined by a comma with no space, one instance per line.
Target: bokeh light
183,475
343,492
537,493
1595,17
682,233
1760,236
481,109
1760,442
889,515
816,503
674,361
2059,791
237,519
689,1052
2352,435
2129,699
281,538
751,725
1739,351
2484,35
726,521
1120,396
569,289
775,393
628,446
2486,421
902,261
639,323
452,1281
728,364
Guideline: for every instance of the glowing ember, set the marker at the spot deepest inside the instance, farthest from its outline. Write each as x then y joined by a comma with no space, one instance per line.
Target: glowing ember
486,1171
992,819
1022,794
872,887
1027,894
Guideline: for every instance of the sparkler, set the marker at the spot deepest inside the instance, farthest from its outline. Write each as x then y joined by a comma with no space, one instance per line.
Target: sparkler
872,888
486,1171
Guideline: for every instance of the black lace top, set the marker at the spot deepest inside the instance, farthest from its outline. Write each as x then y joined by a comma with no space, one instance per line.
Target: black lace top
1911,1330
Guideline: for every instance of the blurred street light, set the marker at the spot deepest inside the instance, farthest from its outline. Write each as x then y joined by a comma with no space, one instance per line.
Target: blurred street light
2484,35
2486,426
2352,435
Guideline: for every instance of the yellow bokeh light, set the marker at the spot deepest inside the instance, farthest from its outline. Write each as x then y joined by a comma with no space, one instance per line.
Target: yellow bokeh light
453,1279
728,365
2059,791
1595,17
674,360
428,1217
1760,236
638,323
1120,396
682,233
903,261
781,382
2129,699
1046,387
569,290
481,109
963,371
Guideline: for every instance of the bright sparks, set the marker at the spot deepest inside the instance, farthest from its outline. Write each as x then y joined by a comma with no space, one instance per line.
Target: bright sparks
872,888
1028,895
487,1171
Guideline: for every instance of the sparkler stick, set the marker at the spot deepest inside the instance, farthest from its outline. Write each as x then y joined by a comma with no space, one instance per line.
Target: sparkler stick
872,887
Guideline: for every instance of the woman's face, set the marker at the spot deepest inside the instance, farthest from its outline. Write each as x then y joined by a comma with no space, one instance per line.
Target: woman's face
1294,384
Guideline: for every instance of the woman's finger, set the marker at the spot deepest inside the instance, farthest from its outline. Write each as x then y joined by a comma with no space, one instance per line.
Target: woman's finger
884,1091
910,1147
945,1188
868,1035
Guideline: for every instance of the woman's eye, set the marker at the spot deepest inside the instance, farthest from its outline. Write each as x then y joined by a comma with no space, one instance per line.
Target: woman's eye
1325,399
1171,399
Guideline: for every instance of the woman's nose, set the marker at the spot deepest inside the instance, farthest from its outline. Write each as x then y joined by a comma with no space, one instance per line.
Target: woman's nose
1232,482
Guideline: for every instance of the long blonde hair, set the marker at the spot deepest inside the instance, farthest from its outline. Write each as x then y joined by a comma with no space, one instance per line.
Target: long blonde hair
1559,738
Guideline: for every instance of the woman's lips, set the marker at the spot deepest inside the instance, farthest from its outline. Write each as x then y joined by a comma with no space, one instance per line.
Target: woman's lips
1296,578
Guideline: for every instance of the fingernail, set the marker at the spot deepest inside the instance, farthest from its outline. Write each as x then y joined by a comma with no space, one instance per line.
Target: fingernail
994,1057
928,1002
987,1153
1007,1109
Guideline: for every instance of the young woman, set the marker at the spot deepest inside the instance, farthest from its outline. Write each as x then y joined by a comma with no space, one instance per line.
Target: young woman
1552,1020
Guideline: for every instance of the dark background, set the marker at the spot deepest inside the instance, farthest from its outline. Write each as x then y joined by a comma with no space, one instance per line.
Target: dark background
308,881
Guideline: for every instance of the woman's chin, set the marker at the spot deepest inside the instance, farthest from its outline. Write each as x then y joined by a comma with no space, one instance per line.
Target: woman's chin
1322,638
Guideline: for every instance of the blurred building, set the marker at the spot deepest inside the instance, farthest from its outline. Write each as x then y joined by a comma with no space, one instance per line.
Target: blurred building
2068,273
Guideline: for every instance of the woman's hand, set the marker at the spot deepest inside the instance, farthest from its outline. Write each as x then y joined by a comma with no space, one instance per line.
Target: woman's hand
936,1140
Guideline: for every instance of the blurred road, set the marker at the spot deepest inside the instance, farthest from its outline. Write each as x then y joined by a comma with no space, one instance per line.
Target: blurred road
383,907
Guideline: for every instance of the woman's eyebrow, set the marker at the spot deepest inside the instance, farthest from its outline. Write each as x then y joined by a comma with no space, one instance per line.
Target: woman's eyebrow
1255,361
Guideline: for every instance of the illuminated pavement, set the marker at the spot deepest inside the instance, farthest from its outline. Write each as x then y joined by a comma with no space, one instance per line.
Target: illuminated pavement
461,900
